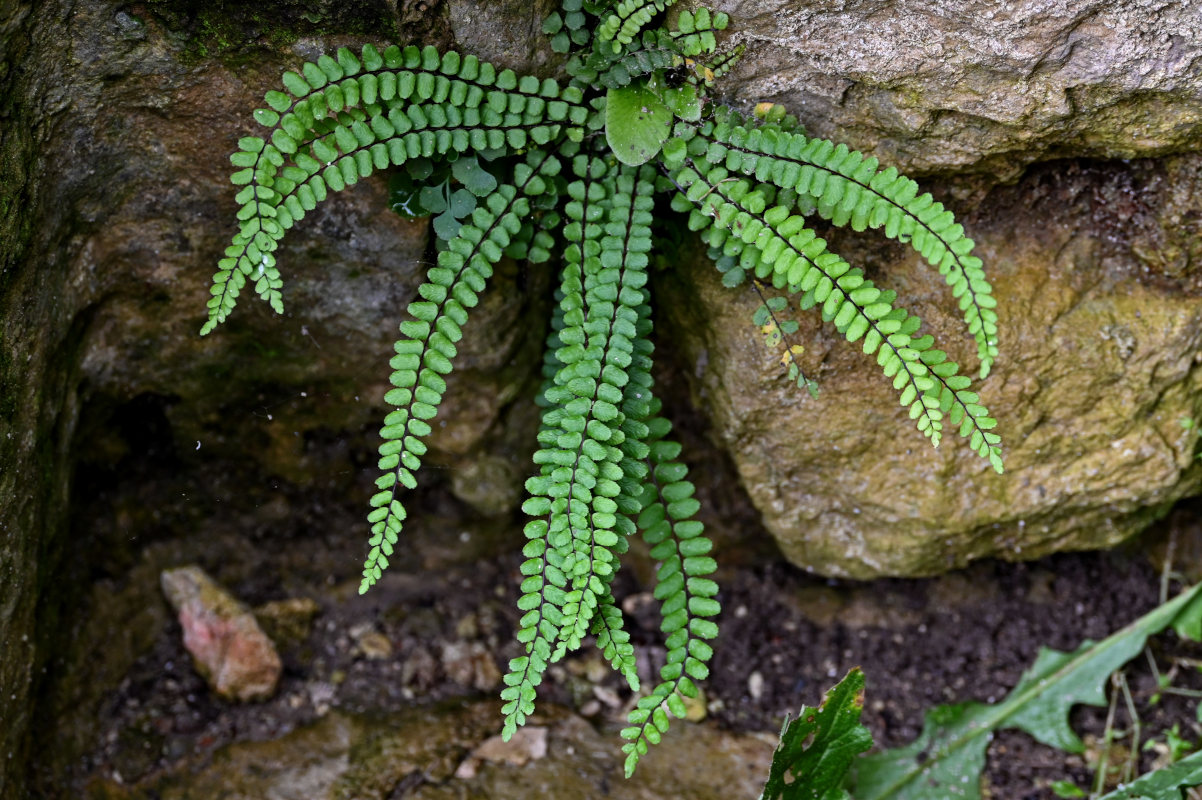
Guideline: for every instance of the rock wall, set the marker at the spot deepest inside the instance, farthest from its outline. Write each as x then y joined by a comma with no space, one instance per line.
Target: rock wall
115,123
1097,266
34,408
1099,375
114,207
979,86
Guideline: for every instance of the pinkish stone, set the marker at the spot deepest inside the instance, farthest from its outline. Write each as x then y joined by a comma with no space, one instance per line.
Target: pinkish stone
227,645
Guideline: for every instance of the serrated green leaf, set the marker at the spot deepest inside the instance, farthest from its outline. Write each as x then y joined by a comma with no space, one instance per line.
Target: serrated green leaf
1163,784
818,747
637,123
947,758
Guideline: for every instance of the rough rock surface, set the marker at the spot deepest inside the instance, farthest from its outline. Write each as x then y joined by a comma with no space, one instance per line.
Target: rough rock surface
115,124
976,85
227,645
1101,365
418,753
115,120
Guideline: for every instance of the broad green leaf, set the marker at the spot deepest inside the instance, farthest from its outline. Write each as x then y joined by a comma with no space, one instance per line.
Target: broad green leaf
683,102
476,179
446,226
1188,624
1163,784
463,203
637,123
947,758
817,748
434,198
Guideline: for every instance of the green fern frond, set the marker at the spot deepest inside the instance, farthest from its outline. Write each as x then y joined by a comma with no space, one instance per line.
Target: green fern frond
723,64
592,418
613,641
766,317
568,27
694,31
848,189
658,52
688,597
543,596
629,17
780,246
424,355
337,124
653,53
549,590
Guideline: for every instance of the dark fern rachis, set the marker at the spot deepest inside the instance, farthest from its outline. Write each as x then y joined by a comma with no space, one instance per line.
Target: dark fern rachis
523,167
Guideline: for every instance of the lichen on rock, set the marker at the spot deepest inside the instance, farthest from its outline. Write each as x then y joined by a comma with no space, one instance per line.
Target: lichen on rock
1101,360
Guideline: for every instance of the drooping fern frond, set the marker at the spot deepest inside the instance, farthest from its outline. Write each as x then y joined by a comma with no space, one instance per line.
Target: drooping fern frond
783,249
628,18
584,431
424,354
529,168
656,51
569,27
687,595
775,330
551,551
613,641
848,189
339,123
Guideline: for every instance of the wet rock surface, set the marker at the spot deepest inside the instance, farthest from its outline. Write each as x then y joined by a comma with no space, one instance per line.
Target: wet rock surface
443,752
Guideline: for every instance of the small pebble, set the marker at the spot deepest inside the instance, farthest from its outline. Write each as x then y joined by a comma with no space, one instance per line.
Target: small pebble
229,649
755,685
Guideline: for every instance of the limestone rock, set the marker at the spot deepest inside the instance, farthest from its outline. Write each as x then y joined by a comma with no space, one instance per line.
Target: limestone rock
527,744
227,645
976,85
509,24
1100,363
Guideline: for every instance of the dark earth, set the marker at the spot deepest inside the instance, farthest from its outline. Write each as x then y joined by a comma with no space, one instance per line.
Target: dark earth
122,703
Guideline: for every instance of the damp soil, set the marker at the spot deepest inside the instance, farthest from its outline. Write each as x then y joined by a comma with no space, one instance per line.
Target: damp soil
439,626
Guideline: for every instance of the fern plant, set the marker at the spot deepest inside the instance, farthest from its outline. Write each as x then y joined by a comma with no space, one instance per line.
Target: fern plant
524,167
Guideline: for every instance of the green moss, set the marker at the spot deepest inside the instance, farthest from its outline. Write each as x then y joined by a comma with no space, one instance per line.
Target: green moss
8,395
237,34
